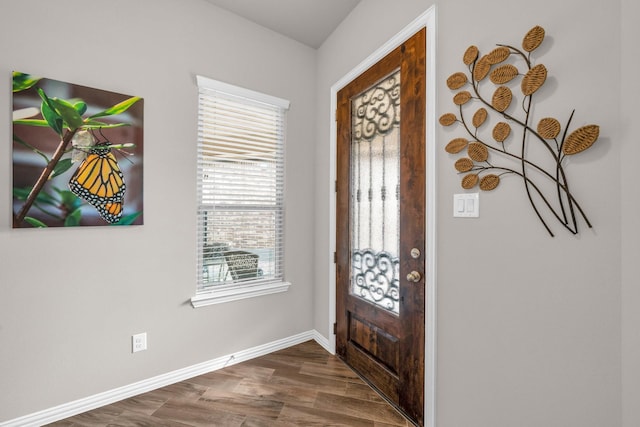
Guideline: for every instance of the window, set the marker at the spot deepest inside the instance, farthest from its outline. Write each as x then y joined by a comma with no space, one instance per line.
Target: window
240,224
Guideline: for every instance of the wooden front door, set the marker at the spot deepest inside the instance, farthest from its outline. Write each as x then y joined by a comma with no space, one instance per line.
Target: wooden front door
380,249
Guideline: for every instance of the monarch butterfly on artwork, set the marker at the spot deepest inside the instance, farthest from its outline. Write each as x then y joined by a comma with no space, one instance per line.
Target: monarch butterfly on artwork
110,211
100,182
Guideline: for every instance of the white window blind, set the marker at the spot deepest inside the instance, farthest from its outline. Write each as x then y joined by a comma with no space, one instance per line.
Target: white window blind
240,224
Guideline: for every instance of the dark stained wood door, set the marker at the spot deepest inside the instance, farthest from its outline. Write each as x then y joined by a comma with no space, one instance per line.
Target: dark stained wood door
380,250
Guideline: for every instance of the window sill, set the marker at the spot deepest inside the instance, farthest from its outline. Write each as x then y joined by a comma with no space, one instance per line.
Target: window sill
220,296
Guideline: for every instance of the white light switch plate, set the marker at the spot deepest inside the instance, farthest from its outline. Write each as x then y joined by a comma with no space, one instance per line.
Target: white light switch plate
466,205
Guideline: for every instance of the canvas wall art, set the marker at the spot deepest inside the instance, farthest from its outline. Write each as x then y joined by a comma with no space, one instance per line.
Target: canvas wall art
77,155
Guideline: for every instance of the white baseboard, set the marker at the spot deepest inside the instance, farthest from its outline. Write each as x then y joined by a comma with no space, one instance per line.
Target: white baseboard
76,407
323,341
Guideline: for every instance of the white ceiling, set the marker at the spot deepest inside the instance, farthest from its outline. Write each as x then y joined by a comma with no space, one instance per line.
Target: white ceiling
308,21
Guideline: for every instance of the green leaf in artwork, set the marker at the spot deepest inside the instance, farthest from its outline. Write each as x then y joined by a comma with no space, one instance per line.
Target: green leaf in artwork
81,107
68,113
61,167
95,124
69,200
54,120
45,98
41,198
21,193
118,108
128,219
73,219
22,81
35,222
46,198
32,122
19,140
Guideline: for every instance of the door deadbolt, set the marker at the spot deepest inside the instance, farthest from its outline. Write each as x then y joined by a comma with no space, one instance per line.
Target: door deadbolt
415,253
414,276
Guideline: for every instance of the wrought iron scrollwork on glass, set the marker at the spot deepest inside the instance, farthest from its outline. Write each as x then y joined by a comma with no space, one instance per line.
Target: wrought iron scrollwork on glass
376,278
379,110
375,177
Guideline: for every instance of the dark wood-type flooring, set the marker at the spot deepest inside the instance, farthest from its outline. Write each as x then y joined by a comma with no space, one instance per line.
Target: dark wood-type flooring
303,385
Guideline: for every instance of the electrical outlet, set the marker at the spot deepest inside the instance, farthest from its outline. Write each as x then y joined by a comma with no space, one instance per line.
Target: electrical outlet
139,342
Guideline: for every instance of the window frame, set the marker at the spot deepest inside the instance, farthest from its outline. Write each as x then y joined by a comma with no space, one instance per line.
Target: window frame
221,293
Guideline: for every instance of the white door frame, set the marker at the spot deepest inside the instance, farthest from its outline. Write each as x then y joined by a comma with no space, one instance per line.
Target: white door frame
428,20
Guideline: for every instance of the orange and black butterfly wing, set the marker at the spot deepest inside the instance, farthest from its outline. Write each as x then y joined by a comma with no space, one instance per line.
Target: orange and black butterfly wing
99,181
110,211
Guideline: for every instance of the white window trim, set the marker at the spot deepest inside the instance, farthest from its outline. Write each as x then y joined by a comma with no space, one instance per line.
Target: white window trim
240,91
227,294
234,292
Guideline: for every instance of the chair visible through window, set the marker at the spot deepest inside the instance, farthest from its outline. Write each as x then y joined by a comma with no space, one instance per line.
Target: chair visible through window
242,265
213,262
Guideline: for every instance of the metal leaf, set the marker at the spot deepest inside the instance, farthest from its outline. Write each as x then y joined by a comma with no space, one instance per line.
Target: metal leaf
463,165
479,117
469,181
501,131
581,139
498,55
478,152
448,119
503,74
456,145
481,69
502,98
461,97
470,55
533,38
489,182
456,80
534,79
549,128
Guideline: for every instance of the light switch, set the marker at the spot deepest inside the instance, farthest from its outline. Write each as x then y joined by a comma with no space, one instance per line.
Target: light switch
466,205
469,205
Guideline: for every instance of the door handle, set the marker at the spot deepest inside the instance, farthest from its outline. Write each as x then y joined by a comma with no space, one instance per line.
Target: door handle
414,276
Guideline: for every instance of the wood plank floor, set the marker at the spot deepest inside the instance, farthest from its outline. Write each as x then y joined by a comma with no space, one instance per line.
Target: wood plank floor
303,385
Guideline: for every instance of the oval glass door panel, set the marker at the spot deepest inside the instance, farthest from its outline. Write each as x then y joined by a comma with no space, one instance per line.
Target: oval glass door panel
375,194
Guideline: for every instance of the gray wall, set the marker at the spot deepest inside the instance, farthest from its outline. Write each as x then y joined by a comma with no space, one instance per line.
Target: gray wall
629,206
70,299
529,327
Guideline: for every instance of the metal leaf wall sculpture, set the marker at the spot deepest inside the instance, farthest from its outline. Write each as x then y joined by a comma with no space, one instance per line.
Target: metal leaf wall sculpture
478,106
